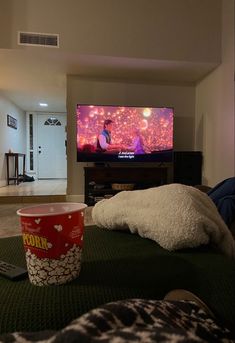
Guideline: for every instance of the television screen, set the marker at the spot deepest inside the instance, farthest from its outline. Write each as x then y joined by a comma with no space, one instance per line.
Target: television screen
118,133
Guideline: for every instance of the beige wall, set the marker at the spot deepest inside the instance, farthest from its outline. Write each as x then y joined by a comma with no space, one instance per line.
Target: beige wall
9,137
214,123
87,91
5,24
156,29
149,31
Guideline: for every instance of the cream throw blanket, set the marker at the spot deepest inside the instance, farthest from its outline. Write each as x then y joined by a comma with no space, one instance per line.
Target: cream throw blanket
175,216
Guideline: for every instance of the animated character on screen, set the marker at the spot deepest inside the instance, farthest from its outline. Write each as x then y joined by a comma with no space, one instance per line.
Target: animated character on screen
137,144
104,141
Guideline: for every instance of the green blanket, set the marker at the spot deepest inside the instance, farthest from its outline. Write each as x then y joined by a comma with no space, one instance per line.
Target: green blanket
116,265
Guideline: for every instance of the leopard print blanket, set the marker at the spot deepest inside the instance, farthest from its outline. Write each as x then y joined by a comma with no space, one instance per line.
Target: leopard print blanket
135,320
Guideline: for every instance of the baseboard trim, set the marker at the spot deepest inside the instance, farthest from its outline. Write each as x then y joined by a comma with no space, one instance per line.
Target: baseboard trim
75,198
32,199
41,199
3,183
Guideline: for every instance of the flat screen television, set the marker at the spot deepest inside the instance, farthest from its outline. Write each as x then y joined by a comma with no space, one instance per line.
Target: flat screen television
124,133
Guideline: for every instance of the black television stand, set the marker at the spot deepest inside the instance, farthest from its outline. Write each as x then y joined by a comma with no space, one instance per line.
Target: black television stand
102,164
99,179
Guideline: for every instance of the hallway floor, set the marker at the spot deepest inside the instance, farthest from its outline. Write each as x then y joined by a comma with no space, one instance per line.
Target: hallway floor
10,222
37,187
39,190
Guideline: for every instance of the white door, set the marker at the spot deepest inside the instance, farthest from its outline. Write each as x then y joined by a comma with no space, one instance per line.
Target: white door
52,161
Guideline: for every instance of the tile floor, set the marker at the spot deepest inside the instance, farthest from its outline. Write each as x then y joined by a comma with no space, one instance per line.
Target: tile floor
13,197
10,223
37,187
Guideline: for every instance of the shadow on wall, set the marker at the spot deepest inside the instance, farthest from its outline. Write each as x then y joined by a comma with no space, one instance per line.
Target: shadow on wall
199,134
184,133
199,142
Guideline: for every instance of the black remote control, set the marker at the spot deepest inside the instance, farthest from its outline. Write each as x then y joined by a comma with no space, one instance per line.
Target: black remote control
12,272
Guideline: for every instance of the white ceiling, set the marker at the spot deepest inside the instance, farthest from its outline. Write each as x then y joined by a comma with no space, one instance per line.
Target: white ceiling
32,75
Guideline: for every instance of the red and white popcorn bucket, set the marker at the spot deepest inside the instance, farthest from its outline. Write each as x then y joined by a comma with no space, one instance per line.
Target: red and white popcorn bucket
53,239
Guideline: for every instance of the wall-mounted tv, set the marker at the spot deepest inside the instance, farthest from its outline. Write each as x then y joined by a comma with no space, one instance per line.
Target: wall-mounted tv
124,133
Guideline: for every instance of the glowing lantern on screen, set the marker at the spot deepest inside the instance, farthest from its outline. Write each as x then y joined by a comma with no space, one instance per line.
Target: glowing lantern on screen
143,124
146,112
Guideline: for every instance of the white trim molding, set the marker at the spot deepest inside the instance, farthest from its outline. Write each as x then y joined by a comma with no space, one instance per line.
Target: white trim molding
75,198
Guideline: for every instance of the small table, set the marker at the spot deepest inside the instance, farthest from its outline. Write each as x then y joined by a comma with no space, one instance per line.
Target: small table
15,156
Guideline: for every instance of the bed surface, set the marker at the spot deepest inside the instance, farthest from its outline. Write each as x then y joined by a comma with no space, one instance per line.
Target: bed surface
115,265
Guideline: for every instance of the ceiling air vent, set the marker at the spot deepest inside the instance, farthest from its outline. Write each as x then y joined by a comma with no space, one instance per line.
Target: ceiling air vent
38,39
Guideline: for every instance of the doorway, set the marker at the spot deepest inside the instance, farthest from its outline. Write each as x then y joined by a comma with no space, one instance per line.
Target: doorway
51,146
